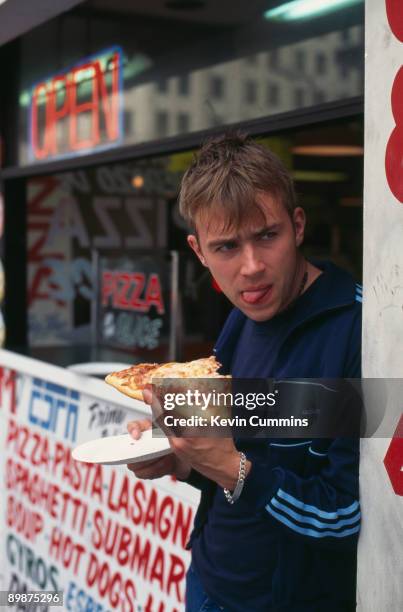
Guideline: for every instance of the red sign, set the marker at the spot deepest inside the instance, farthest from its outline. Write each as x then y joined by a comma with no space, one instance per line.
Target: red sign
126,288
78,109
394,459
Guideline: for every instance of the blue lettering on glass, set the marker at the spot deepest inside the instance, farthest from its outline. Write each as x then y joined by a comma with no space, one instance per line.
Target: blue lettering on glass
128,329
47,402
69,279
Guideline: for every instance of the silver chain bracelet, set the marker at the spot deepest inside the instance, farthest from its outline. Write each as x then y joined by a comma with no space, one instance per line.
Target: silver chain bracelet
232,497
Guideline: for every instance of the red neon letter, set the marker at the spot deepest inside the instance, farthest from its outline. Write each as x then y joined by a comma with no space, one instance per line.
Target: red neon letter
55,114
92,107
111,106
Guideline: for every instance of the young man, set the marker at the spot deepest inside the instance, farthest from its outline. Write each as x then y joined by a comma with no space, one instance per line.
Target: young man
288,542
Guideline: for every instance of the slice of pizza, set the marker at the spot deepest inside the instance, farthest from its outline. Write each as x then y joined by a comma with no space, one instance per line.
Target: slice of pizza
133,380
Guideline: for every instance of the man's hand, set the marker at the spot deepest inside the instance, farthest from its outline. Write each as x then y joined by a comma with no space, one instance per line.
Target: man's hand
169,465
216,458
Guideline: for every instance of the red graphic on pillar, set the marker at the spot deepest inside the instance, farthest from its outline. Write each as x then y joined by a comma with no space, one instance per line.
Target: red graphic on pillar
394,459
394,149
395,17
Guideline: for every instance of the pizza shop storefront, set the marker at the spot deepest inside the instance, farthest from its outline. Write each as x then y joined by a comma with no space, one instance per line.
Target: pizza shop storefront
104,107
108,103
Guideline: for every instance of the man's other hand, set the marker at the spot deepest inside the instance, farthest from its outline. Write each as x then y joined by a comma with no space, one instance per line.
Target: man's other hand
215,458
169,465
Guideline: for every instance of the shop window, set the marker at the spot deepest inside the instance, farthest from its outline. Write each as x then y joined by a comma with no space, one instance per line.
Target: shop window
132,205
138,57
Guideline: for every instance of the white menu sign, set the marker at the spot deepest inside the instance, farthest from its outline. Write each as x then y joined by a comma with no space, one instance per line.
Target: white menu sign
104,538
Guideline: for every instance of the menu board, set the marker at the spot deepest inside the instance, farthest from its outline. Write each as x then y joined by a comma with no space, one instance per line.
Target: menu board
136,293
105,539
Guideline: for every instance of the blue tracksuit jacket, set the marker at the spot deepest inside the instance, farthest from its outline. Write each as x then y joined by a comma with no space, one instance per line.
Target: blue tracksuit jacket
306,490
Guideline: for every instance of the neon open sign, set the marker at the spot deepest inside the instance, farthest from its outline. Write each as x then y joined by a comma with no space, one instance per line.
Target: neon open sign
79,109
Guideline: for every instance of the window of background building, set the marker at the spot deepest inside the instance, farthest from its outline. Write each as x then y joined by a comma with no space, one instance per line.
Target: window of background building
345,36
217,87
319,97
299,96
184,85
128,122
183,122
216,120
321,63
250,91
300,60
251,60
344,69
161,124
273,92
162,85
273,59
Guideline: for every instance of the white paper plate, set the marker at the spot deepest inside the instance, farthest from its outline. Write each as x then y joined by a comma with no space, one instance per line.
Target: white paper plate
122,449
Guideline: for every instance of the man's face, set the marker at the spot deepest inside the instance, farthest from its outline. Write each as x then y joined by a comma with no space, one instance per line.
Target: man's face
256,266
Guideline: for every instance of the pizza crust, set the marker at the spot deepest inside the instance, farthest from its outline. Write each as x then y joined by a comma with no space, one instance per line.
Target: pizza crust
117,384
132,381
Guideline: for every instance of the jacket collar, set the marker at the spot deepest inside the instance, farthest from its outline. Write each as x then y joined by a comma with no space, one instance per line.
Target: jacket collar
336,289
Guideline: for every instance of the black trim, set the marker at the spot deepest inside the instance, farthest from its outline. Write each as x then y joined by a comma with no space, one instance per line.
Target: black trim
256,127
10,66
15,263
